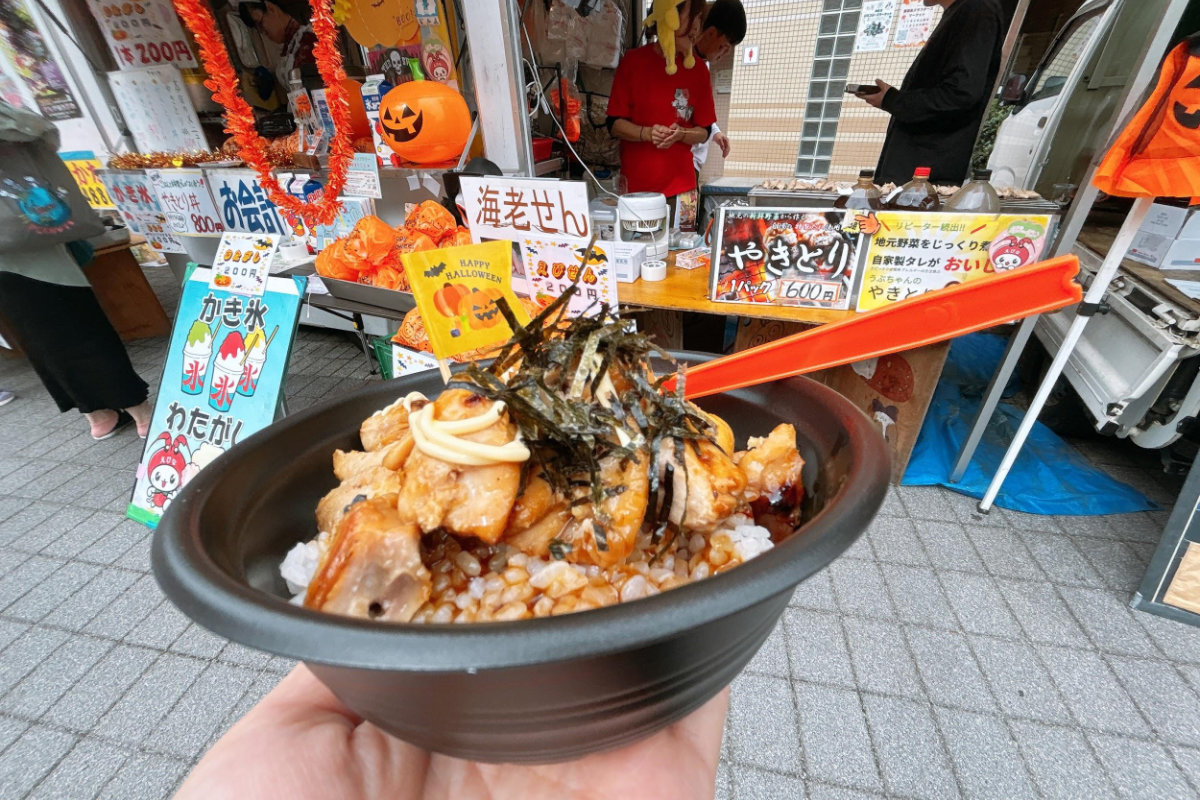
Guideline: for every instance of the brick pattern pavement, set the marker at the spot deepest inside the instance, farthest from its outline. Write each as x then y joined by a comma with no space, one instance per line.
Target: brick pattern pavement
945,655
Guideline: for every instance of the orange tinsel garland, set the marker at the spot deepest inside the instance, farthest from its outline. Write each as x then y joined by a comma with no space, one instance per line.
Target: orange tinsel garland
239,118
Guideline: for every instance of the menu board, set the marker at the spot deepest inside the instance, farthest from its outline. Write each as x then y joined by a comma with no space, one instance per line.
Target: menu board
551,267
914,252
134,197
874,25
804,258
143,34
186,202
157,109
222,381
243,203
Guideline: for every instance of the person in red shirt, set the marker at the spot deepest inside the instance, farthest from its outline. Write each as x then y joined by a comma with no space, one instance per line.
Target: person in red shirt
658,117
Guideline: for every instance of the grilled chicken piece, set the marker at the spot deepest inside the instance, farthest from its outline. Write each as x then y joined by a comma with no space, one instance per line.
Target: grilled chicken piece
623,513
465,500
771,465
373,566
362,475
707,490
385,426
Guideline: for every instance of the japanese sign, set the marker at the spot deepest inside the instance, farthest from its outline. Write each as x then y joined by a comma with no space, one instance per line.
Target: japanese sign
915,252
157,109
516,209
874,25
31,59
785,256
456,289
362,179
134,197
242,202
914,24
243,261
143,34
222,381
550,267
186,202
83,165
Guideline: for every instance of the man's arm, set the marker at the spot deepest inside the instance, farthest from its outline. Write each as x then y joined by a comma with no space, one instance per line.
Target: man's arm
964,80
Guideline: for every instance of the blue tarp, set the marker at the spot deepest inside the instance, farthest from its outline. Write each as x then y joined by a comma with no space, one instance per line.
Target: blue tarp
1049,476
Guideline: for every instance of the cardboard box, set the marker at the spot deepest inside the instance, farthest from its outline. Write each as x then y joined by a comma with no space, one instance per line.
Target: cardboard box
1160,228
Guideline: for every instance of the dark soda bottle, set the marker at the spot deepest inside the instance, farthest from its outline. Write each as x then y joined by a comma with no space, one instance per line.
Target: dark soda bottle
865,195
916,195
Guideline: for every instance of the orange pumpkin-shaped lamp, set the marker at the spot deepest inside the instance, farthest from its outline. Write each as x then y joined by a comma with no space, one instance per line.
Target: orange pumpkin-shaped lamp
425,122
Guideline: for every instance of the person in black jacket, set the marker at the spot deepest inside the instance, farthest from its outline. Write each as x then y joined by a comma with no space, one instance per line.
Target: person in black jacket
937,110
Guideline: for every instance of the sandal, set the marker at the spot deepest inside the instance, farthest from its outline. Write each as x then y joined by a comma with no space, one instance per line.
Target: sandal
123,420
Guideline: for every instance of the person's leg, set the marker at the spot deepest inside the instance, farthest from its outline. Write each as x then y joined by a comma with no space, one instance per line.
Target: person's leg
74,349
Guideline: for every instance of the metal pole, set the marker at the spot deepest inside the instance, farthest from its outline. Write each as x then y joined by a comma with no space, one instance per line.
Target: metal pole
991,398
1091,301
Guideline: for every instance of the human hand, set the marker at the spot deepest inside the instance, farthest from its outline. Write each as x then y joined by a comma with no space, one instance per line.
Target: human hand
722,141
876,98
663,136
300,742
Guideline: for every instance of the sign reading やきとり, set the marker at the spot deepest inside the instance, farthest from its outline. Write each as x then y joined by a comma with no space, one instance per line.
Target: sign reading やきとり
916,252
222,381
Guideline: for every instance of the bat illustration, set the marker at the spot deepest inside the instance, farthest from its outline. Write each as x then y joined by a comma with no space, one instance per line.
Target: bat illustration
436,270
598,255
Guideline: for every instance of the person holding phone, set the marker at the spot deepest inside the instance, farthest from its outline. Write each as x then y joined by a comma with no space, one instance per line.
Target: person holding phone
937,110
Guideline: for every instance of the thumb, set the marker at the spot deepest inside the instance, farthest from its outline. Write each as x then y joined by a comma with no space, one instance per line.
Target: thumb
881,84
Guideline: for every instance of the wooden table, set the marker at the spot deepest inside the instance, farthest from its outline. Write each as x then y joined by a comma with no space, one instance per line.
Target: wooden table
124,293
894,390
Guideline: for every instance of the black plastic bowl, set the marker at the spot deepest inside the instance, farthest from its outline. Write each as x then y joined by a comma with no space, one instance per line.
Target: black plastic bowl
527,691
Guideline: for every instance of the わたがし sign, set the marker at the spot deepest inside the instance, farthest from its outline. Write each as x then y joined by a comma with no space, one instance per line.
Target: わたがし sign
83,165
456,289
222,381
913,252
551,267
785,256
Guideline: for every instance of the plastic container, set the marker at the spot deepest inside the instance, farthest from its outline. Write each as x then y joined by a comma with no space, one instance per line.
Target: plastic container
642,217
976,195
864,196
542,148
534,690
916,195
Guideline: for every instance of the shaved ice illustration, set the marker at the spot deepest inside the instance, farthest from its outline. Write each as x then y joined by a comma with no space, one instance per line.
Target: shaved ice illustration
196,352
227,371
256,353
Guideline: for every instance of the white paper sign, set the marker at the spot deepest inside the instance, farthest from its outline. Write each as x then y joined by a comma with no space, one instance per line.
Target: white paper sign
874,25
516,209
243,262
406,361
243,203
143,34
138,205
157,109
551,267
185,200
362,179
915,24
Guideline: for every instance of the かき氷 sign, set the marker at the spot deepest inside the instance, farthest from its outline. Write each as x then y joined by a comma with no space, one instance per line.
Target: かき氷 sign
222,381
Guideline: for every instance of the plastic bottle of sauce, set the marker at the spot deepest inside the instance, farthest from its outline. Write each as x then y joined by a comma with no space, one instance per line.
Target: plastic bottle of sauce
916,195
865,195
976,195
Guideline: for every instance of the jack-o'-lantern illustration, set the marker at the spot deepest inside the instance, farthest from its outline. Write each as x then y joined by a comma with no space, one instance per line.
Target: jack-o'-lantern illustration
425,122
480,309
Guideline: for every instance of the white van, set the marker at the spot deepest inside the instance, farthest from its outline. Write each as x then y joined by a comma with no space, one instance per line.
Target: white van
1023,141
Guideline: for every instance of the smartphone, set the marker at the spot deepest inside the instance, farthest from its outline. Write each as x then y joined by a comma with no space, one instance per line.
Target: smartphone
862,88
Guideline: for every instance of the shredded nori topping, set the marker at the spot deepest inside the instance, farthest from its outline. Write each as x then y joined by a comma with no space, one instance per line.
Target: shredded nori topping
555,369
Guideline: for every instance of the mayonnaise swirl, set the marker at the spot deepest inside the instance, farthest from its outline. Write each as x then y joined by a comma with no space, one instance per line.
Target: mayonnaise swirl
441,439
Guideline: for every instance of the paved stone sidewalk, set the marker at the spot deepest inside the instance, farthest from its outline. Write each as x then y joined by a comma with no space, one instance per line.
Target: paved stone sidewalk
945,655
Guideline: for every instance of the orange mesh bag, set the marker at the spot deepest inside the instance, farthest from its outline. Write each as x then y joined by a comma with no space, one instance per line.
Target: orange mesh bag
370,241
409,240
431,219
332,263
456,238
412,333
1158,153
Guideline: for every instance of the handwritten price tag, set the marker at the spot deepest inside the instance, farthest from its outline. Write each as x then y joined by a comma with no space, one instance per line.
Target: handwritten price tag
243,262
186,201
83,165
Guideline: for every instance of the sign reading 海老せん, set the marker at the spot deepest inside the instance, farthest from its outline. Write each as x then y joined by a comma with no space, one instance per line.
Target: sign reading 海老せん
515,209
222,381
913,252
785,256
